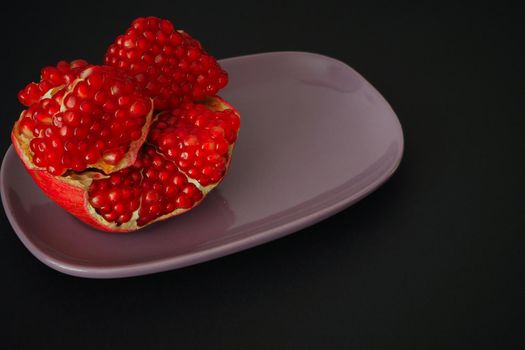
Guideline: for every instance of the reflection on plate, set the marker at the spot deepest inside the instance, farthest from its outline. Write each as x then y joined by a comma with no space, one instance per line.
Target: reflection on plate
315,138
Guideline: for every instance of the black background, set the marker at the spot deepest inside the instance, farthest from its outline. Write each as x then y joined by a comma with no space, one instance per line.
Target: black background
433,259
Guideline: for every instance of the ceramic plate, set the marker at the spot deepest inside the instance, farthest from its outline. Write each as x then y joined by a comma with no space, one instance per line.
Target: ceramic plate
315,138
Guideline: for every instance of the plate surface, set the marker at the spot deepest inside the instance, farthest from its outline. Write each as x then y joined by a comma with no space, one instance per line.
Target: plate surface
315,138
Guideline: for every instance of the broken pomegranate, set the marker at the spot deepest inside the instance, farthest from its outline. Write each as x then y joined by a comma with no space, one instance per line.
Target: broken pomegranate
171,65
92,117
91,142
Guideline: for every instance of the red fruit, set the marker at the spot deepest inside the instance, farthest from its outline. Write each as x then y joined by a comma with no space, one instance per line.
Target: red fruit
155,187
171,65
71,127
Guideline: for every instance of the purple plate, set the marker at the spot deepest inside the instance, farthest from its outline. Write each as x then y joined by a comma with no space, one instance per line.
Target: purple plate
315,138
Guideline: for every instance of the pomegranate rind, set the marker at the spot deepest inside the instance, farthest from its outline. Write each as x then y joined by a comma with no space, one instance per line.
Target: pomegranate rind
69,193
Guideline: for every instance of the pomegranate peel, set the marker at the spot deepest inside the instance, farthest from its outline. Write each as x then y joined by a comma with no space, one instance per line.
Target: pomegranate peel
67,191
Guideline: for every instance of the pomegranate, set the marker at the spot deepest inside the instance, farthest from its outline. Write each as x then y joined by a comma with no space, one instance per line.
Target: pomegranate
90,140
171,65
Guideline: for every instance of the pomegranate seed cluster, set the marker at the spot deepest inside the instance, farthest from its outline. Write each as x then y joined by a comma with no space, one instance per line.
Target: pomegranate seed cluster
118,197
170,65
112,162
93,119
153,184
164,187
197,139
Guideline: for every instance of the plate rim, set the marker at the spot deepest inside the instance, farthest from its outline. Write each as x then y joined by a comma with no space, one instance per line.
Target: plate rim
211,253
